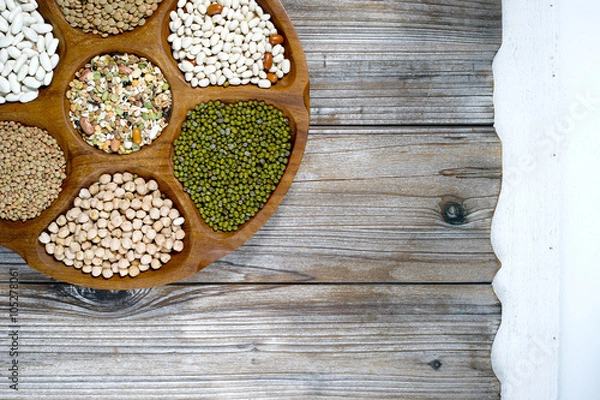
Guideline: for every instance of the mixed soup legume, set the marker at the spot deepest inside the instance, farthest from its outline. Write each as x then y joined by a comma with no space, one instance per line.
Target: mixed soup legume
119,102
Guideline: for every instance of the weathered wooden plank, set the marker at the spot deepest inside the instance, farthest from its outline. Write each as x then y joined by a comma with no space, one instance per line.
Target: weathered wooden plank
369,209
255,341
399,62
366,210
367,206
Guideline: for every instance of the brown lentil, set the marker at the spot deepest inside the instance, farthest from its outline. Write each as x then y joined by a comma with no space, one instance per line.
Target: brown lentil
107,17
102,234
32,169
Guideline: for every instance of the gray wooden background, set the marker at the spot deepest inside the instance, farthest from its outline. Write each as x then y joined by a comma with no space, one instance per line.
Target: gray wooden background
373,278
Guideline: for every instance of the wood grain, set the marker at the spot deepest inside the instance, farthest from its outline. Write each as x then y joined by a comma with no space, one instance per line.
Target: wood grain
358,286
258,341
392,62
366,207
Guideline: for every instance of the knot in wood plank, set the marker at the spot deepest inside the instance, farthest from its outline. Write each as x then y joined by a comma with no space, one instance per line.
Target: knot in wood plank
454,213
114,302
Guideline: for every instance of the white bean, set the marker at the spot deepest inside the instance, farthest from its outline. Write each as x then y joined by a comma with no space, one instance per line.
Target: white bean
40,73
13,52
32,82
17,23
48,78
34,63
45,62
30,34
186,66
4,85
3,24
42,28
29,7
5,40
186,42
244,28
28,50
264,83
26,97
253,23
15,87
20,63
37,17
257,36
12,97
52,46
53,62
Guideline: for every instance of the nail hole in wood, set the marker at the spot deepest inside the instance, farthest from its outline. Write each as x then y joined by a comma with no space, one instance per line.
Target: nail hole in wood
435,364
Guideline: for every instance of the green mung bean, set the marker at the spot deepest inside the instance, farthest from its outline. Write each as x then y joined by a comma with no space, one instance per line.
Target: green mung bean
230,158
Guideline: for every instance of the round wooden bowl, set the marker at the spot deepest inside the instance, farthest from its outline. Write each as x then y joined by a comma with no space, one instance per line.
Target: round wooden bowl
85,164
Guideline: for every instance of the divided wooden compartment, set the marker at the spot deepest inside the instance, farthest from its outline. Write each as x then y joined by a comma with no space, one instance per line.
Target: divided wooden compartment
85,164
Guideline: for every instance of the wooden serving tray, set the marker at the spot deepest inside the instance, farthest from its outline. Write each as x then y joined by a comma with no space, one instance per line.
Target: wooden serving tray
85,164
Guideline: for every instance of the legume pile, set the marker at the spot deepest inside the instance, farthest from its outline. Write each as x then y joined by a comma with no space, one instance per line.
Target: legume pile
107,17
119,102
27,51
227,42
230,158
121,225
32,169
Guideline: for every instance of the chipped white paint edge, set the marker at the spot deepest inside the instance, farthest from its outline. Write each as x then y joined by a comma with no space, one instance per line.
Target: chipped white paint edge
525,231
